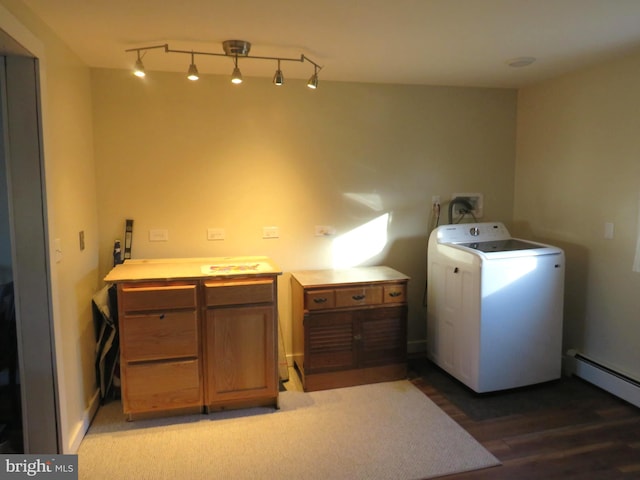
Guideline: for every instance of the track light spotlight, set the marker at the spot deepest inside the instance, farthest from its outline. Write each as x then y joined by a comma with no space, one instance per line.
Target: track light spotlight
236,76
138,69
193,74
278,78
313,81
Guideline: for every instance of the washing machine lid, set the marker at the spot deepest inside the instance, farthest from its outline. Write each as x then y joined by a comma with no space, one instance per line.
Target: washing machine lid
507,245
489,241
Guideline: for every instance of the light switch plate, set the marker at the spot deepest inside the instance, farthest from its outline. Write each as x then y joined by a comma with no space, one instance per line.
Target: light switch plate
608,231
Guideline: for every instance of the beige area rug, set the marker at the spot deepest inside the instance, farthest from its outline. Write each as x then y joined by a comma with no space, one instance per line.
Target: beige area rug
379,431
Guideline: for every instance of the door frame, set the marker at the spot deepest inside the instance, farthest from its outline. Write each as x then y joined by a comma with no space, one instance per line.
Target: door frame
42,410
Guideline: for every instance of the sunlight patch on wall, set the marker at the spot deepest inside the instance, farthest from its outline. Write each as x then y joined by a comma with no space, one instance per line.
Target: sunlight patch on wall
360,244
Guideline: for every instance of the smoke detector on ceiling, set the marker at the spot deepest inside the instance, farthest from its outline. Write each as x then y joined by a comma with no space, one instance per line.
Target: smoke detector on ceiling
521,62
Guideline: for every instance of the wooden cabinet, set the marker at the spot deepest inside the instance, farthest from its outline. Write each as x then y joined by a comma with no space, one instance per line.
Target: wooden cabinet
349,326
191,341
160,358
241,343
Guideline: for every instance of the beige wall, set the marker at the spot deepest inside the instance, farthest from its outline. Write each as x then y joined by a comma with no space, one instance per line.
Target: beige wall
71,204
71,194
186,156
578,167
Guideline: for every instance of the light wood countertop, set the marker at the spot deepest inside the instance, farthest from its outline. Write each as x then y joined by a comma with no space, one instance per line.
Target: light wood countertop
320,278
191,268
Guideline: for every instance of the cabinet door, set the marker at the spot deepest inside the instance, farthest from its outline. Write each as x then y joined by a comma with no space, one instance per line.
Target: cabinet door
383,336
329,342
241,353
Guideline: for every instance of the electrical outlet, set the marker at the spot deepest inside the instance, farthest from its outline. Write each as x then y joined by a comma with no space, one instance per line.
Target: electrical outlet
158,235
215,234
270,232
475,199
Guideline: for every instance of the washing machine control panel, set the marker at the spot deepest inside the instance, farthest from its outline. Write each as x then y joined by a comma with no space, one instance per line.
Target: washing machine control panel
472,232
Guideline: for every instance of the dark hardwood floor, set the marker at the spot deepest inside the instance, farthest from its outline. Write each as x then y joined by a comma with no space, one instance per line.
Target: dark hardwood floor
566,429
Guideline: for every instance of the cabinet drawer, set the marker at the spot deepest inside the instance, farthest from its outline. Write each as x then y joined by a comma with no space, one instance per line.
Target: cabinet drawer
160,335
157,297
395,293
162,385
319,299
237,293
351,297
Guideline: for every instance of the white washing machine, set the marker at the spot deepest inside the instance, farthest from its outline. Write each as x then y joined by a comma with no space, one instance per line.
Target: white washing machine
494,306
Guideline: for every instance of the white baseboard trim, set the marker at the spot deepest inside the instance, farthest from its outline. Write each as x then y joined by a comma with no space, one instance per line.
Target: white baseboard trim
616,383
83,425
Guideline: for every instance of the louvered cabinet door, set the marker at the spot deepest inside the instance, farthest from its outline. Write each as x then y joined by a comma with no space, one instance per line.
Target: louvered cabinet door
330,342
383,336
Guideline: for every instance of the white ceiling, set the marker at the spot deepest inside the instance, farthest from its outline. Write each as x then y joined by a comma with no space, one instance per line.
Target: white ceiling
435,42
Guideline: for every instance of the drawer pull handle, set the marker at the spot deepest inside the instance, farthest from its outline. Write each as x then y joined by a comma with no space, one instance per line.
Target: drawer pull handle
395,294
161,316
357,337
358,297
319,300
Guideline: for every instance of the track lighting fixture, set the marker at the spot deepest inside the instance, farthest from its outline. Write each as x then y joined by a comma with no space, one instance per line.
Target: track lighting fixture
193,74
234,49
278,78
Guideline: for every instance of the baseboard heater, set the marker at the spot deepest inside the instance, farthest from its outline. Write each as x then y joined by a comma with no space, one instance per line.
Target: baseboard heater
616,383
